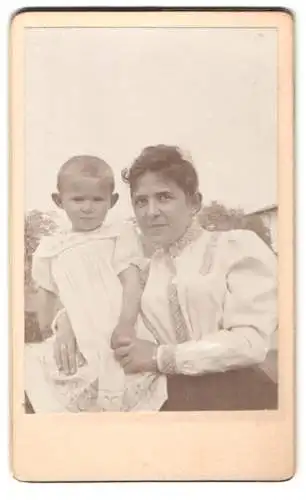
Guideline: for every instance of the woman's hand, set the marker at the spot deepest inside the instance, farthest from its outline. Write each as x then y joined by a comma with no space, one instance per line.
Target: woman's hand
137,356
66,352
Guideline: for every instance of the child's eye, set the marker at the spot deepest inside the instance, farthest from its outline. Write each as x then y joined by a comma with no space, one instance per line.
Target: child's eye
140,202
98,198
78,199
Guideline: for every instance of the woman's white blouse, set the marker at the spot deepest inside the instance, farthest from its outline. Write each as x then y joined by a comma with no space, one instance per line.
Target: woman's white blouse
227,291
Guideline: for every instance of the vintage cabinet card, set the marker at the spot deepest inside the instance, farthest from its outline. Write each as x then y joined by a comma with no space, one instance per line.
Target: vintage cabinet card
152,245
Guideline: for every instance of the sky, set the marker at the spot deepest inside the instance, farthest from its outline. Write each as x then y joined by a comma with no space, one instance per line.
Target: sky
110,92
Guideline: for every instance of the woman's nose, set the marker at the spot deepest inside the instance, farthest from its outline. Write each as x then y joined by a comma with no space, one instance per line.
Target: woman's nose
153,208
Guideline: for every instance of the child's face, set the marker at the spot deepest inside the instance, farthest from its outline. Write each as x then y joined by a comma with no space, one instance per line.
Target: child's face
86,201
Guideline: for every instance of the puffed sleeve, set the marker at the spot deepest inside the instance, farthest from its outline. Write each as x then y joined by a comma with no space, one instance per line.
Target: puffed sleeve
249,312
128,249
41,266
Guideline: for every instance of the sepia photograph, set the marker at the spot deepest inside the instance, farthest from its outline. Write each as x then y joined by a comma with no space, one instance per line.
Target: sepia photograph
150,219
152,321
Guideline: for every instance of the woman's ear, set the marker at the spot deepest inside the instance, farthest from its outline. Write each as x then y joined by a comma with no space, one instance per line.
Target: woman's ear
197,202
114,199
57,199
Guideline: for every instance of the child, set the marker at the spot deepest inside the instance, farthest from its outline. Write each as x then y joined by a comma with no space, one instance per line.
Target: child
93,271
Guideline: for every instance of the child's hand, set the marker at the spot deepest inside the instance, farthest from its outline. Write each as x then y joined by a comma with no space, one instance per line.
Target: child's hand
122,335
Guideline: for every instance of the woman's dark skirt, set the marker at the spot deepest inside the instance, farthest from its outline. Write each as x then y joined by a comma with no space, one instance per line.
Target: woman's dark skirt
243,389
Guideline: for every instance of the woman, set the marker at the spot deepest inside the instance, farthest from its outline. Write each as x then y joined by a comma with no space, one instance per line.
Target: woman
209,298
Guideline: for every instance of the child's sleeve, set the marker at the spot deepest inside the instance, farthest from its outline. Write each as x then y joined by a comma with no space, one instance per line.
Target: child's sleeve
41,267
128,250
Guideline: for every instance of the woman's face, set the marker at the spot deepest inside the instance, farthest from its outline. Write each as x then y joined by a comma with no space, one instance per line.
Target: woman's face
162,209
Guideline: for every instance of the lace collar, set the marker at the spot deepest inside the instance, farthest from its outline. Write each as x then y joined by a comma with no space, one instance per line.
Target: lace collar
193,232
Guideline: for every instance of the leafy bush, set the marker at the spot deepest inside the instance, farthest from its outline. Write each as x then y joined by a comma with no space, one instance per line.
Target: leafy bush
36,225
216,217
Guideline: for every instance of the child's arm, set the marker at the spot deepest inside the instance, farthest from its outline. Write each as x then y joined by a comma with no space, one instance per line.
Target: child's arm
66,352
70,359
131,297
47,305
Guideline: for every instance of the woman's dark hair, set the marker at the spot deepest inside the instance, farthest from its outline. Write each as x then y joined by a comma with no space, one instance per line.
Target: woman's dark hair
167,161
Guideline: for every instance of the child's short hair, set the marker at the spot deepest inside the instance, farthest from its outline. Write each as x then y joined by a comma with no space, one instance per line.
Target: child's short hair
89,166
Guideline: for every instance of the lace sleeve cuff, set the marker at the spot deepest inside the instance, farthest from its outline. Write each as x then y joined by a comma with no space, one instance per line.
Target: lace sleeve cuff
166,359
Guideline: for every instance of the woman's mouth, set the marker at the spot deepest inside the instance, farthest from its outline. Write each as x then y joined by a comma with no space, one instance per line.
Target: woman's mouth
157,226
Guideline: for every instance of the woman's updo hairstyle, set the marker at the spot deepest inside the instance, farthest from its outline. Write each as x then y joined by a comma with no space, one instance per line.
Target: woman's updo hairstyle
169,162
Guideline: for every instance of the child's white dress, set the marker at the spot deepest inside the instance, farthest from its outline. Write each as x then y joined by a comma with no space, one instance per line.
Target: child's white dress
82,269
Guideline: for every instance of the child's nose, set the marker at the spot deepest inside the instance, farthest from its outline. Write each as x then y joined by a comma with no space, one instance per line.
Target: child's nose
87,206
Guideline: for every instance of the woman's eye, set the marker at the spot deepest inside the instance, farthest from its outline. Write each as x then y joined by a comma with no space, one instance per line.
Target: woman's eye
164,196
